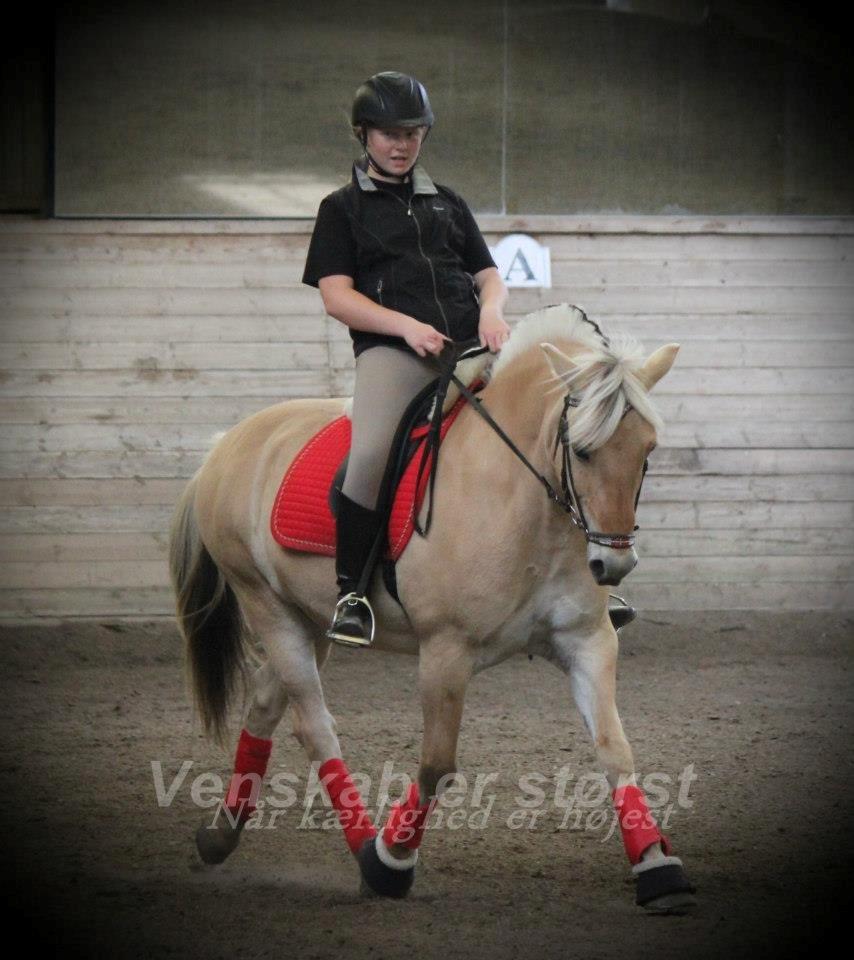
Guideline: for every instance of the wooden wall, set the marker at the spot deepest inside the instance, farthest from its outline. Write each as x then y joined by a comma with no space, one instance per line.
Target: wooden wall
127,344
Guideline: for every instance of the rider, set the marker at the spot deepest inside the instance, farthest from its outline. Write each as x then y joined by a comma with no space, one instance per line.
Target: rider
400,261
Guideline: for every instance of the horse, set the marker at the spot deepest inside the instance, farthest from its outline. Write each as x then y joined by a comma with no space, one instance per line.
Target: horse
507,568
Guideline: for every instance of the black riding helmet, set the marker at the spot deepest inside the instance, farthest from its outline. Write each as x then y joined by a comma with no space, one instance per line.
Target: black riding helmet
390,99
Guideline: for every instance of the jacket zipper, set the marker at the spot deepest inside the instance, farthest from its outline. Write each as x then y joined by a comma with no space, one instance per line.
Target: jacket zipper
427,259
380,290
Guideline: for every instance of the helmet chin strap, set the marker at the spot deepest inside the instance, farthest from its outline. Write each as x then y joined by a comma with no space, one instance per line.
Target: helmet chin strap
401,177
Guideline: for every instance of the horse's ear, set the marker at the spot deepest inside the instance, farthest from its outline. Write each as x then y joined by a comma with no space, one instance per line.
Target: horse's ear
657,365
560,363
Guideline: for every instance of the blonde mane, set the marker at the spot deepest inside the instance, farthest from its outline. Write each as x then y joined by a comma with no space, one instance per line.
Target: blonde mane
603,376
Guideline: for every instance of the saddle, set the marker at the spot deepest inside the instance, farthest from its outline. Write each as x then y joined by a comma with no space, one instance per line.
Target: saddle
304,511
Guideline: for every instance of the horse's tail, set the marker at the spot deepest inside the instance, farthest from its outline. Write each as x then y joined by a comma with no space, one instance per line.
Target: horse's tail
208,616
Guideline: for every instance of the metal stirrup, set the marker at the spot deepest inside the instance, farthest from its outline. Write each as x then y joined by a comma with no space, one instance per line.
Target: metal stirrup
352,599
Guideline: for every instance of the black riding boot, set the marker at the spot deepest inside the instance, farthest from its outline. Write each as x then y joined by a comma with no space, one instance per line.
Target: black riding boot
620,612
357,529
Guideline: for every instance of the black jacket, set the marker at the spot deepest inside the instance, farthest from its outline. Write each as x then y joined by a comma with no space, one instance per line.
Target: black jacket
414,255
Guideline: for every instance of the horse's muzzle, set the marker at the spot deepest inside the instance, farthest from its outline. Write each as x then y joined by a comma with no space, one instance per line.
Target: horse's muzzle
608,565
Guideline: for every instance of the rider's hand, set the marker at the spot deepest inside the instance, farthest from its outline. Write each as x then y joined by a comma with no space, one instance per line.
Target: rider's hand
492,330
424,339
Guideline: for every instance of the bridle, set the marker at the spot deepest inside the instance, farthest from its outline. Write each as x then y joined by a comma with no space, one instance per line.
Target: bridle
570,501
567,498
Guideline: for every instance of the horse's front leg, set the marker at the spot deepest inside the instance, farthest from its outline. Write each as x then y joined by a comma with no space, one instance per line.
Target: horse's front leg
661,884
445,668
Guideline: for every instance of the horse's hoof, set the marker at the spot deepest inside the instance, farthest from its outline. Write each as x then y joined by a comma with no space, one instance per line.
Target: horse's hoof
215,844
378,874
663,888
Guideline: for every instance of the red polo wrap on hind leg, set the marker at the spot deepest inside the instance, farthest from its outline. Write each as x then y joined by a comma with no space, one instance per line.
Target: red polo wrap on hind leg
406,821
347,802
250,765
638,827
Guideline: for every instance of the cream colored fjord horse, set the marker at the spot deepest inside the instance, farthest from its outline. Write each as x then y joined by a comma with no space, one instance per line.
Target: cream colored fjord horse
503,571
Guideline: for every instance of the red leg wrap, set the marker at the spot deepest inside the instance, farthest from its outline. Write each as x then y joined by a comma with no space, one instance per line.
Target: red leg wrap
250,765
637,824
406,821
347,801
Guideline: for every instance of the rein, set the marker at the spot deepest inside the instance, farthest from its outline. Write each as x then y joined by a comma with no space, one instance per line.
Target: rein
567,498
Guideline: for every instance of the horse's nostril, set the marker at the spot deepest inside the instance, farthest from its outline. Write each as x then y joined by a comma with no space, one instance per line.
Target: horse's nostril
597,568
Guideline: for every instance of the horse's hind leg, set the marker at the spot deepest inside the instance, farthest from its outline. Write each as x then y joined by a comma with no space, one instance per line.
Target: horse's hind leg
661,884
296,650
215,841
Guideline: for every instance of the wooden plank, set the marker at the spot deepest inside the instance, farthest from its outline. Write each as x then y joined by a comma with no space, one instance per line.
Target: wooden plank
659,486
682,408
171,463
252,248
210,248
724,365
100,519
513,223
82,547
709,273
135,437
169,274
272,385
121,603
666,329
77,410
95,573
70,438
713,384
696,247
670,461
134,464
154,356
731,569
649,597
126,492
688,570
113,603
770,435
791,489
725,515
652,515
667,544
600,301
131,301
773,542
659,224
30,273
252,329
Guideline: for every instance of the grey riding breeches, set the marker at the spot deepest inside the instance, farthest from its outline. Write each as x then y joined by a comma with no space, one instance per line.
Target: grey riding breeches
387,379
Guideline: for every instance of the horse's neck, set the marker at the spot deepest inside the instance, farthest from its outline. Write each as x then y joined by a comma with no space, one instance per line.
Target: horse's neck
519,402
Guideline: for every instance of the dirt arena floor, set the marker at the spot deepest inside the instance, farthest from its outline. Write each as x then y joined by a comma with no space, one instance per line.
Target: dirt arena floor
742,722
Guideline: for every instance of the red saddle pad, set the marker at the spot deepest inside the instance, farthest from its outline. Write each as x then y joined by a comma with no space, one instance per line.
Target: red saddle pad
301,518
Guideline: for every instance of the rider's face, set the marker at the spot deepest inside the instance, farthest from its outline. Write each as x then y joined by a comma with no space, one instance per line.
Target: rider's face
395,148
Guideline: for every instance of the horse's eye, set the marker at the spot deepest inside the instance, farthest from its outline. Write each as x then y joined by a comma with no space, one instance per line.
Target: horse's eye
582,454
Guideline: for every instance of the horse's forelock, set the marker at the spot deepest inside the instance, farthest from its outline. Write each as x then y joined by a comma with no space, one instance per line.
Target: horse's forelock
604,377
607,382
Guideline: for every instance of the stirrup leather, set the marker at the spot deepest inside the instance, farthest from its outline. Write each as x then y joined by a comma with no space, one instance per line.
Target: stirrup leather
347,639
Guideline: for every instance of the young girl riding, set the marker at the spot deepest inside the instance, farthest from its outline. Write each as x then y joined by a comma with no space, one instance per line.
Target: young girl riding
400,261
